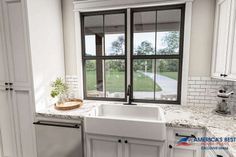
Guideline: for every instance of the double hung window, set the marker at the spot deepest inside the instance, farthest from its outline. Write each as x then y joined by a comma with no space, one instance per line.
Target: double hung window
155,56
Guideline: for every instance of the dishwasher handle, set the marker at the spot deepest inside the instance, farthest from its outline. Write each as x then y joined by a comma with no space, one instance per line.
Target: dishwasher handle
58,124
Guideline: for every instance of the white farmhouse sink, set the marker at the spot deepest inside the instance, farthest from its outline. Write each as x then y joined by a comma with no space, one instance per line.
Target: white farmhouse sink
127,121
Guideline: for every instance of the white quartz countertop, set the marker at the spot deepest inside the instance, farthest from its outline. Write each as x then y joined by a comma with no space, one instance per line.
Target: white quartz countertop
176,116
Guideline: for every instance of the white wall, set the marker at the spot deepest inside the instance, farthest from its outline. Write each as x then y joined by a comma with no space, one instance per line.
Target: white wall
69,37
201,37
47,50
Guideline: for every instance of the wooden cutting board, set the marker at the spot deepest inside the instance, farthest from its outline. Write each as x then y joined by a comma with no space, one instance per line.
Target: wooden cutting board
70,104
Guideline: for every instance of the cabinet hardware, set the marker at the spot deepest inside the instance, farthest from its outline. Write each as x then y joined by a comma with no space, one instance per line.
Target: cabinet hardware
126,141
219,156
223,75
191,136
11,89
170,146
6,88
57,124
10,84
6,83
119,141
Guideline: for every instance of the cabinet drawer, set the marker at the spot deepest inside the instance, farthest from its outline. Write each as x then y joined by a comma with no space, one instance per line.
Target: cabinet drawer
177,133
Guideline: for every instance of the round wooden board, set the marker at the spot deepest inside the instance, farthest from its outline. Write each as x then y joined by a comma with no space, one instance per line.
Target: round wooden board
69,104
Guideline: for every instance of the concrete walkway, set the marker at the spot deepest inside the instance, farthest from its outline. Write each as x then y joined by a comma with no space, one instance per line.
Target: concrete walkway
168,85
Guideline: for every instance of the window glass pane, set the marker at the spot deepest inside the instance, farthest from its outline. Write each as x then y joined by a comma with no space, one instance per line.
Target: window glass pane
114,34
115,78
143,78
144,33
167,79
168,32
94,35
94,78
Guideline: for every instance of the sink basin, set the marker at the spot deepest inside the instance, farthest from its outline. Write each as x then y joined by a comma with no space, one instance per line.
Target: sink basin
127,121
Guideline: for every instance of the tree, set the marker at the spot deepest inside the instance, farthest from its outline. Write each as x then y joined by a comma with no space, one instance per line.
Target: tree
171,40
118,45
145,48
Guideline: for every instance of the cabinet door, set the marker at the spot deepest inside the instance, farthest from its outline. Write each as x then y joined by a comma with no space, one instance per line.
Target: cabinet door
18,67
209,153
175,135
183,151
7,134
143,148
231,61
25,132
103,146
221,37
16,42
3,58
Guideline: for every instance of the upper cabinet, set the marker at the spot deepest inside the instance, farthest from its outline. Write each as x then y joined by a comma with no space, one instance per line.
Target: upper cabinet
224,47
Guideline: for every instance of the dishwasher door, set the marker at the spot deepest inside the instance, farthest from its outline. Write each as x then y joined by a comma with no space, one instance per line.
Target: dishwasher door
58,139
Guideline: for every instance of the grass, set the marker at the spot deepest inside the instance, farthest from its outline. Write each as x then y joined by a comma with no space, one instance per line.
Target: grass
115,82
144,83
173,75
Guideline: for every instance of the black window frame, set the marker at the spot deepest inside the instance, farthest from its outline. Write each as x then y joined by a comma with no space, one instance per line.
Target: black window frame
155,57
132,57
116,57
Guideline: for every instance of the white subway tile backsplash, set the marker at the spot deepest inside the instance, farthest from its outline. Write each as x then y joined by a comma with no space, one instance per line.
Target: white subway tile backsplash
203,90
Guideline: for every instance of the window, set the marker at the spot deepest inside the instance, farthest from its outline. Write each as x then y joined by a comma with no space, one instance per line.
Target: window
104,55
156,54
156,57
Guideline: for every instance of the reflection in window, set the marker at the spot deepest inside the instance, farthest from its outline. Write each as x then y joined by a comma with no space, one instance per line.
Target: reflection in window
115,44
90,47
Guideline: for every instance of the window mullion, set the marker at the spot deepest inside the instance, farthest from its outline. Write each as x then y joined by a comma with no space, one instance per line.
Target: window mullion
155,59
128,46
103,54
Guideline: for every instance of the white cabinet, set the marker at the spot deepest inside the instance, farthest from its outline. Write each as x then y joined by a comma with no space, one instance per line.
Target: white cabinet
224,45
141,148
176,150
17,133
231,66
216,153
111,146
103,146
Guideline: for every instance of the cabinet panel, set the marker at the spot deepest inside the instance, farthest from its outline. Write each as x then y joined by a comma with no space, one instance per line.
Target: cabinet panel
141,148
3,63
183,152
6,125
102,146
221,37
231,66
22,105
175,134
137,150
16,43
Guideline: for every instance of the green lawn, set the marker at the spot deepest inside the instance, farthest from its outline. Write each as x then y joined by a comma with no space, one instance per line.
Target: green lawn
143,83
173,75
115,82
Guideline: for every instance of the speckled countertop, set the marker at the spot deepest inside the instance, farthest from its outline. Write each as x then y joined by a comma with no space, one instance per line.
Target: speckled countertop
85,110
176,116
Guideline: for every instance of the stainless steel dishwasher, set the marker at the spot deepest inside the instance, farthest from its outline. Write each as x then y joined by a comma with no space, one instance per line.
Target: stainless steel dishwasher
56,139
